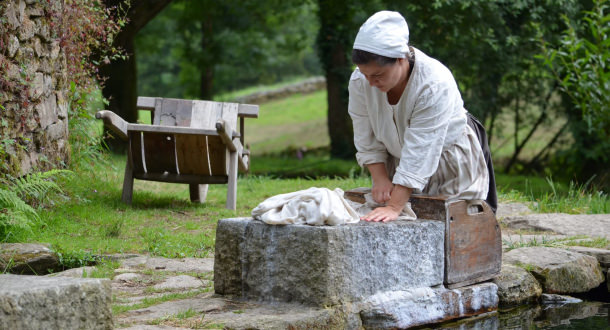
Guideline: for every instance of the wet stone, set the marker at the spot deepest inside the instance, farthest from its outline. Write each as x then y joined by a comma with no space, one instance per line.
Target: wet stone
558,270
409,308
516,286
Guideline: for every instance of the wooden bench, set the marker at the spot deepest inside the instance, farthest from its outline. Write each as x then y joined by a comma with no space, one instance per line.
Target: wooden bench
189,141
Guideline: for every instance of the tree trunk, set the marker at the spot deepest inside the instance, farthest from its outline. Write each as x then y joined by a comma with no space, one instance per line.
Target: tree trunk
335,38
339,122
120,86
207,72
120,90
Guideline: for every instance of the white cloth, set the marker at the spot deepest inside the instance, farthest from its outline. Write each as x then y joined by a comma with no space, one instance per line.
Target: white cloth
424,137
313,206
385,33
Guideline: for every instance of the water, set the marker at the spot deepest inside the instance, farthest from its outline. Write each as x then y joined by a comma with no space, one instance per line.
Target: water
587,315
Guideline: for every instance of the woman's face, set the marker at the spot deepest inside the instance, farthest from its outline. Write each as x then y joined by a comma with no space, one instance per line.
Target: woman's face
384,77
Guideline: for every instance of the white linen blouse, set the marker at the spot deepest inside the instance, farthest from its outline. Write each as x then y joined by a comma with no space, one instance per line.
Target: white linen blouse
424,137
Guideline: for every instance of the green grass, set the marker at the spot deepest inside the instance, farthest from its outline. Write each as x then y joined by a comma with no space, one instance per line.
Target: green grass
147,302
161,220
297,121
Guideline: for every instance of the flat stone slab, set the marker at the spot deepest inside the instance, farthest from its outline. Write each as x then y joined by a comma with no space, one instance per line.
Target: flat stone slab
326,265
214,312
512,209
181,282
27,258
409,308
593,225
34,302
602,255
184,265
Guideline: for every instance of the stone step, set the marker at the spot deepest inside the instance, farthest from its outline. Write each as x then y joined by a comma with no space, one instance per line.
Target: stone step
34,302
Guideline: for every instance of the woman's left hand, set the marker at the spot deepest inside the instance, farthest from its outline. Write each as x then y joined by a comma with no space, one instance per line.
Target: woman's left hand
384,213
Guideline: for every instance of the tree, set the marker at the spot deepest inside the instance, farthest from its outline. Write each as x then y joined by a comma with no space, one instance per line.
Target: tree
579,64
339,23
119,88
221,46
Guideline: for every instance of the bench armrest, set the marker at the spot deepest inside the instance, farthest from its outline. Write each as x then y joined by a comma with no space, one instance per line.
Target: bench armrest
114,122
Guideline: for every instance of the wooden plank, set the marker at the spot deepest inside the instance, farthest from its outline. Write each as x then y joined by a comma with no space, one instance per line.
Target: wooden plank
192,154
114,122
198,192
146,103
137,152
167,114
182,178
222,127
170,129
219,156
184,112
473,249
205,114
159,153
248,110
232,184
157,111
128,181
229,115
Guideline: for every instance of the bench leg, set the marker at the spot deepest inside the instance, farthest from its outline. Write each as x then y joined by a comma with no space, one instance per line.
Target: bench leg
232,186
128,183
198,192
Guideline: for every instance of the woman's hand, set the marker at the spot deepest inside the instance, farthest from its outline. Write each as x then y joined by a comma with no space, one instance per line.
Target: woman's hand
382,190
384,213
382,186
399,197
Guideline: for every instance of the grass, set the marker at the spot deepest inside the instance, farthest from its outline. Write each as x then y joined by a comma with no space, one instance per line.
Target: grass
147,302
161,220
555,242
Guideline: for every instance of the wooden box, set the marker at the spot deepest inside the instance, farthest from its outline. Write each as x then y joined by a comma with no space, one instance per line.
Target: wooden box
473,241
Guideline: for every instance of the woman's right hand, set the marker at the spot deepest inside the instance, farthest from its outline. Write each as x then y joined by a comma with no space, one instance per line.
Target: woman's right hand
382,190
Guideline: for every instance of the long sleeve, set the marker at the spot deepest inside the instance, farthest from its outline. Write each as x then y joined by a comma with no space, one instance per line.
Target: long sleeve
369,149
425,136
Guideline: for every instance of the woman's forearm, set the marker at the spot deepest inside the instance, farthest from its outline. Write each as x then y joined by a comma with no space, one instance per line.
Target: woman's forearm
400,196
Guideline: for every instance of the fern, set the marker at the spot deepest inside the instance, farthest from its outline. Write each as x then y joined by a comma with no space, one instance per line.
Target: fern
35,188
19,198
14,212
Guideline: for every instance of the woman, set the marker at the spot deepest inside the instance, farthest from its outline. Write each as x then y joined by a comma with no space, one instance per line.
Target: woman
410,127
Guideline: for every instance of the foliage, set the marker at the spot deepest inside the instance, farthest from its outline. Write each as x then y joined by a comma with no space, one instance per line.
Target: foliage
85,30
579,64
222,46
20,197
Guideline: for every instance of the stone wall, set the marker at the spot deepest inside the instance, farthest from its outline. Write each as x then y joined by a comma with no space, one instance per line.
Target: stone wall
34,86
308,86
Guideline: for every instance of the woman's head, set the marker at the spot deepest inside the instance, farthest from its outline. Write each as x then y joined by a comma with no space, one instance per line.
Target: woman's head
386,34
381,48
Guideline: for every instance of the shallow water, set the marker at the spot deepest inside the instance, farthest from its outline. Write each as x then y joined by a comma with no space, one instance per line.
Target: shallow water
589,315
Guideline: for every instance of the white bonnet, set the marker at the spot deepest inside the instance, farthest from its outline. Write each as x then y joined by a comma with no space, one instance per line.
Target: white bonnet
385,33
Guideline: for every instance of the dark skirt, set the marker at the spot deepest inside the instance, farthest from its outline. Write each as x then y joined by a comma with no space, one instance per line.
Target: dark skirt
477,127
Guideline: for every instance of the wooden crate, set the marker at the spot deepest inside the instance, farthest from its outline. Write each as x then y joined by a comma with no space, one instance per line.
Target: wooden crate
473,241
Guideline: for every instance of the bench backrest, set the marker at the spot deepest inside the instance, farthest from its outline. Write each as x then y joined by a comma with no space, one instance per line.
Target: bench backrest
172,154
